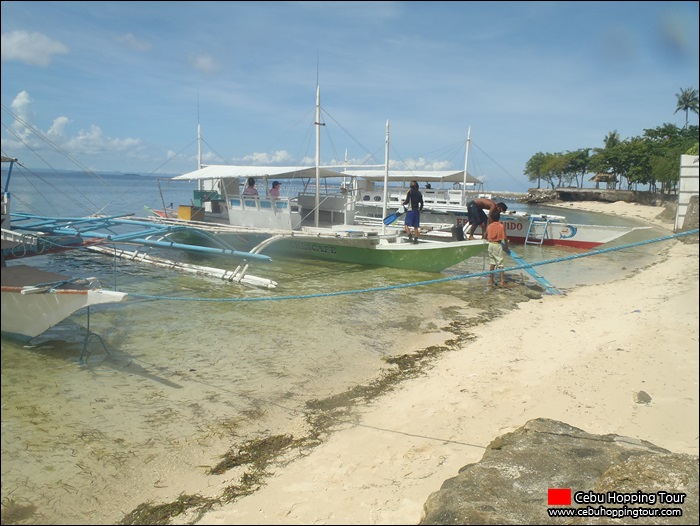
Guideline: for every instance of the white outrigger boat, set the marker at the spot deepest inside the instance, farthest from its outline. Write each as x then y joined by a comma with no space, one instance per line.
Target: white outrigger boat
317,224
34,300
549,230
448,212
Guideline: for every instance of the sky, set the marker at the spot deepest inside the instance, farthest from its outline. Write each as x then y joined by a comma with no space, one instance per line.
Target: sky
123,86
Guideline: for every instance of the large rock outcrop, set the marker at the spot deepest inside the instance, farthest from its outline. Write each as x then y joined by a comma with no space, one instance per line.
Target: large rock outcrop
510,484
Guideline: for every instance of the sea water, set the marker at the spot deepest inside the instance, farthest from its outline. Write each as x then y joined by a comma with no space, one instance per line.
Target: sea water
188,366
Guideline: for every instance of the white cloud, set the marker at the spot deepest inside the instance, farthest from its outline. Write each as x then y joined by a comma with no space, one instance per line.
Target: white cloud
90,142
280,158
32,48
93,142
204,64
21,107
420,164
134,43
58,127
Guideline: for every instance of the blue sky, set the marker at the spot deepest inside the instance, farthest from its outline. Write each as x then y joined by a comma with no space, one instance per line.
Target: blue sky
122,86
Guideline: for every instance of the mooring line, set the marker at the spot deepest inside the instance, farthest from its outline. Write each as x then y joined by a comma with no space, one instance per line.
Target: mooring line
426,282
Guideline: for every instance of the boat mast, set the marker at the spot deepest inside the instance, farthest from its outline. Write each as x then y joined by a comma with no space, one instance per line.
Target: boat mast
200,183
466,165
318,152
199,146
199,153
386,176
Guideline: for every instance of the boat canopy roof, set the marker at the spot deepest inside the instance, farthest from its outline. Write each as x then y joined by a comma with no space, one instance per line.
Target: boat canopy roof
220,171
417,175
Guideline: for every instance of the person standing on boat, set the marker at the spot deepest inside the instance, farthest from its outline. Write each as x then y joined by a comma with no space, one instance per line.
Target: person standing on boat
414,198
498,246
477,216
250,189
275,190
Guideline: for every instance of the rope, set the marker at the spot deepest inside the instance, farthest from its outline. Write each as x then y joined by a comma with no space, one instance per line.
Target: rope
427,282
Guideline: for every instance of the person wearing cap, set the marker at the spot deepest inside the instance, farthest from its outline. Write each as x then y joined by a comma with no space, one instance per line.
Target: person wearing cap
275,191
250,189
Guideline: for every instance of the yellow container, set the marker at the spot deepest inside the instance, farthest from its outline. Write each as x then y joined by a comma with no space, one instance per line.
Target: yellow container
190,213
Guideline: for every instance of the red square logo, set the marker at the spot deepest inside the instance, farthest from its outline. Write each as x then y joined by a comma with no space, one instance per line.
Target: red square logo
559,496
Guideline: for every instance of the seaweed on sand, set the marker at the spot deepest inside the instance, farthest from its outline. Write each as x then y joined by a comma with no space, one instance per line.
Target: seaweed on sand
322,416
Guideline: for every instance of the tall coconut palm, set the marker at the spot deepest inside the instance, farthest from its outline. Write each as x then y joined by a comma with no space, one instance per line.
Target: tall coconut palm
611,139
687,101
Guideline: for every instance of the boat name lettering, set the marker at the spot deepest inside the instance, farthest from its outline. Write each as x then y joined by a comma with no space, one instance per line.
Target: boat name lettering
511,225
313,247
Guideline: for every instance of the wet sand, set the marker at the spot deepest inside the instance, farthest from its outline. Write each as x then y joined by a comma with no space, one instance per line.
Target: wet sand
579,358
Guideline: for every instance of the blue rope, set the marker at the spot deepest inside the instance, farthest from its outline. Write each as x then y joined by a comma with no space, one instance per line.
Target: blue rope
427,282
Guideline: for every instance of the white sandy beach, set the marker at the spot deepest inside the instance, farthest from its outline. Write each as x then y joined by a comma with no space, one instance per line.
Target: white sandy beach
578,358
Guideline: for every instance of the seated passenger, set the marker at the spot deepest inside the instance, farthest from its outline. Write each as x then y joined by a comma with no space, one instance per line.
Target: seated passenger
250,189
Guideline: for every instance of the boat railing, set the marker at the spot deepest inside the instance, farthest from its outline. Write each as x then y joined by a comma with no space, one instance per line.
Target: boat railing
334,207
438,197
262,203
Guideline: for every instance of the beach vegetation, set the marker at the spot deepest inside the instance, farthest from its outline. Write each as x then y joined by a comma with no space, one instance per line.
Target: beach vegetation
687,100
650,160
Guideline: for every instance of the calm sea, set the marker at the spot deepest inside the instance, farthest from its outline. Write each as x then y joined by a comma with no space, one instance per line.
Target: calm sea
189,366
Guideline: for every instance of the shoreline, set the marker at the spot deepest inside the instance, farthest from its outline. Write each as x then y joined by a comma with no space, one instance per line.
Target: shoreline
636,333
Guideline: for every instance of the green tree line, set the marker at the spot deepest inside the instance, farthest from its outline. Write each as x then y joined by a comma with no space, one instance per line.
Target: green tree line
652,159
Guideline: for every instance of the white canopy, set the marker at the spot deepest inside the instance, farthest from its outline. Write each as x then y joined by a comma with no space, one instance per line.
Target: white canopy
219,171
417,175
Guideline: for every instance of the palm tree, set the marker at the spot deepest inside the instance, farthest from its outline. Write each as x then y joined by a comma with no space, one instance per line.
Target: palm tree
687,100
611,139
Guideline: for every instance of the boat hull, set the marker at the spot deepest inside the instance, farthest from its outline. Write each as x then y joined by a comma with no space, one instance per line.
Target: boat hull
33,307
559,233
554,231
396,252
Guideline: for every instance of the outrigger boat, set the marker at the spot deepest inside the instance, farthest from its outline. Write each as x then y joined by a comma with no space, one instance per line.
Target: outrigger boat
317,224
447,209
439,200
554,230
34,300
445,217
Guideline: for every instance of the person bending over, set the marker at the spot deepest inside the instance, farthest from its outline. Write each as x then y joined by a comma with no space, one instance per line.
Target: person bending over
477,217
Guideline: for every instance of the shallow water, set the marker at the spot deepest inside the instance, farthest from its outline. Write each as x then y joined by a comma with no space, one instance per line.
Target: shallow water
172,382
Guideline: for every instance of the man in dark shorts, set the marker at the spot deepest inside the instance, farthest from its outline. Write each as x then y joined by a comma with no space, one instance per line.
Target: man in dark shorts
477,217
415,198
